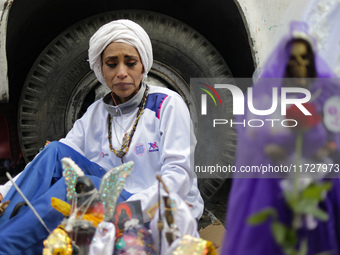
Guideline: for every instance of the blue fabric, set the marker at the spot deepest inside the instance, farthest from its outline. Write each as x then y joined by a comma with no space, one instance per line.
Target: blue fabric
154,102
40,181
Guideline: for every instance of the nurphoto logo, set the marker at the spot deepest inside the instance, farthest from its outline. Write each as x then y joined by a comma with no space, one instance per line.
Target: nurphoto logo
204,97
223,108
244,102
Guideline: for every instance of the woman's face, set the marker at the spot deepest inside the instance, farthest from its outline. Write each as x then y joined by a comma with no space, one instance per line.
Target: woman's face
122,69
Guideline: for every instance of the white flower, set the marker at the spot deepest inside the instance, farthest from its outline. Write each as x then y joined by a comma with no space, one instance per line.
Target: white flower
310,221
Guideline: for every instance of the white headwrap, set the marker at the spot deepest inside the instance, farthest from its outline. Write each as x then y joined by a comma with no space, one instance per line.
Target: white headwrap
125,31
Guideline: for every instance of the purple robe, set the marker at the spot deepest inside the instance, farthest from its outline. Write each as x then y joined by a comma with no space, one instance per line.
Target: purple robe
250,195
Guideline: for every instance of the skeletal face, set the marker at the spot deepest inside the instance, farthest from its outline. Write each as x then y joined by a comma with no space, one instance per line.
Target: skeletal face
298,63
84,184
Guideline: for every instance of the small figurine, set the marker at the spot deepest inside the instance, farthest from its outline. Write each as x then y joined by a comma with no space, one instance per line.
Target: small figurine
194,246
135,239
58,242
172,221
88,206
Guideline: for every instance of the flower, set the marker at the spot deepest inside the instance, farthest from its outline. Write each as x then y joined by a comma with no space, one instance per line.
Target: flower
304,121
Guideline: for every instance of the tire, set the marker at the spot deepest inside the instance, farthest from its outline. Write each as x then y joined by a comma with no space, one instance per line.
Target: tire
60,85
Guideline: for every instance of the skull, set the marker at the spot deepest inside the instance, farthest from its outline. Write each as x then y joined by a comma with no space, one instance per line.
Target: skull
298,63
84,184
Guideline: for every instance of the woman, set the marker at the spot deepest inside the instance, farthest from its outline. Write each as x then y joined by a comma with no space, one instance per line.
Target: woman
148,125
295,60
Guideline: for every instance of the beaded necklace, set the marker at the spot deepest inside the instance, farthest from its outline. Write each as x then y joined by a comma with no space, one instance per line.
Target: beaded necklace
126,142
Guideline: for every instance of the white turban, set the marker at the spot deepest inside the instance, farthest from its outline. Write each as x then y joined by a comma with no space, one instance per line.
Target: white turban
125,31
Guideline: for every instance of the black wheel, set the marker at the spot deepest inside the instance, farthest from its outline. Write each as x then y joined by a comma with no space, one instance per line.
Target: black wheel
60,85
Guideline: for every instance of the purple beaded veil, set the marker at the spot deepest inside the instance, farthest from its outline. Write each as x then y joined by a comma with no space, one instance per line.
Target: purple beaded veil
261,130
276,62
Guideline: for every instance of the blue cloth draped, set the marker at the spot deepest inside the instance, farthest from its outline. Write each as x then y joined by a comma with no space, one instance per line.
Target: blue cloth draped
41,180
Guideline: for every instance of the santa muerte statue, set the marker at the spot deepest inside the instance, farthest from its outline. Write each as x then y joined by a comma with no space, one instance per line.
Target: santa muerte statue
292,206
